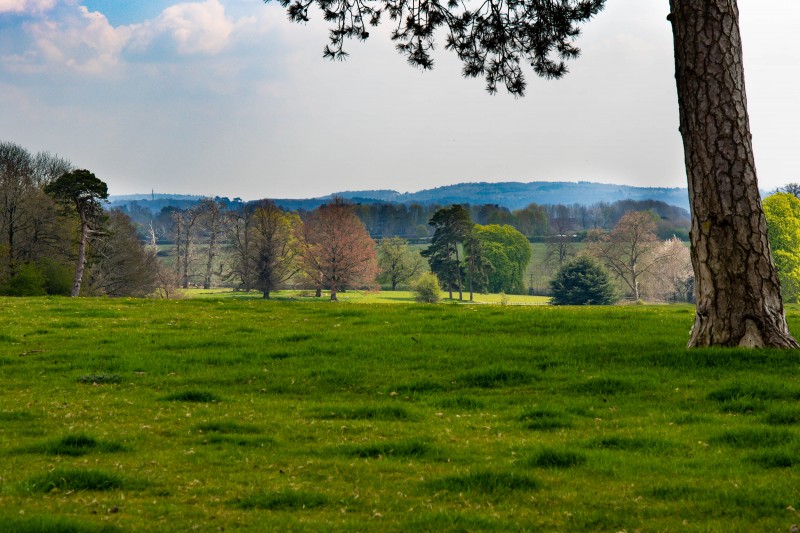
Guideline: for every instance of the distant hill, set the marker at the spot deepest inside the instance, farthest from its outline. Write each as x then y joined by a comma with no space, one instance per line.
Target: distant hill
513,195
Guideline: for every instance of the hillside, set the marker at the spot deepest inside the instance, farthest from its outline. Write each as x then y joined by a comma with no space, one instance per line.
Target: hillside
512,195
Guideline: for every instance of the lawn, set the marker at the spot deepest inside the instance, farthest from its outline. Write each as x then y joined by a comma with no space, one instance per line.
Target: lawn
224,413
364,297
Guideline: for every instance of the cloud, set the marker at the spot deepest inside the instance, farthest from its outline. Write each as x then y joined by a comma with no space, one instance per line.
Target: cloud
26,6
75,39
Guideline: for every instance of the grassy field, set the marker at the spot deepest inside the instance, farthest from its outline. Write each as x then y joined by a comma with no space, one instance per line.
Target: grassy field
224,413
362,297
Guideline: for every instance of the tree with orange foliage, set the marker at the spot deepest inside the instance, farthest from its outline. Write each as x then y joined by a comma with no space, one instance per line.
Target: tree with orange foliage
336,250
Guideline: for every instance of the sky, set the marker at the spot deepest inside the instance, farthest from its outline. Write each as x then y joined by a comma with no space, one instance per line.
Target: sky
228,98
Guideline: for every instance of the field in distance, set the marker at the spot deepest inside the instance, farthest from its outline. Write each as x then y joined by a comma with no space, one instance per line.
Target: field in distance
364,297
225,413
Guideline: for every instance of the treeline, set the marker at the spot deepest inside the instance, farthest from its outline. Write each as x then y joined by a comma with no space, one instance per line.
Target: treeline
52,238
410,221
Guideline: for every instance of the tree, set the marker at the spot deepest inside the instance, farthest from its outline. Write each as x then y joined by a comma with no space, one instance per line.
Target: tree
560,243
121,265
239,234
452,226
397,262
582,282
783,221
427,289
85,192
335,249
211,219
273,246
737,287
509,252
629,251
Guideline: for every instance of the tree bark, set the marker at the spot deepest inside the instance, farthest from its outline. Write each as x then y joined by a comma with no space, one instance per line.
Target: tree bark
737,287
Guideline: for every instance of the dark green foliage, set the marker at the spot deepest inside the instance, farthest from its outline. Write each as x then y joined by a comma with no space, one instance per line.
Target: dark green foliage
75,479
553,458
582,282
100,379
192,397
452,226
509,252
57,276
282,500
76,446
490,483
27,281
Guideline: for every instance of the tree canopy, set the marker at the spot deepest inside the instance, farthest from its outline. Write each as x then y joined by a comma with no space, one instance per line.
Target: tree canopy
783,221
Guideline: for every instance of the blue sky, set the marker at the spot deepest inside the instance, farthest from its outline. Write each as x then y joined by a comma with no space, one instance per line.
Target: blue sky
226,97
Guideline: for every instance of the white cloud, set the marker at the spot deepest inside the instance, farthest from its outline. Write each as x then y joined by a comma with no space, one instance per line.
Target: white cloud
198,28
84,42
26,6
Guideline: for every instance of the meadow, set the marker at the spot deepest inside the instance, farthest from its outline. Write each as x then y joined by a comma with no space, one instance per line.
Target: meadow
224,413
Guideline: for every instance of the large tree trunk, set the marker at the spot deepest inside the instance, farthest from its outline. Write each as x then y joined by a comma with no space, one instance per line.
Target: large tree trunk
737,289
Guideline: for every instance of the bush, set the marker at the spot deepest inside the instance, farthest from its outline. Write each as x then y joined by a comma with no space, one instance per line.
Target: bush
28,281
427,289
582,282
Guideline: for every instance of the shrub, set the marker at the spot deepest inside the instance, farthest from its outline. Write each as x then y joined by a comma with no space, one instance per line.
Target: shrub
582,282
427,289
28,281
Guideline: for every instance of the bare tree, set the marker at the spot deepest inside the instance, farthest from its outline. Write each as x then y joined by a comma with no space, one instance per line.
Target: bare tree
672,278
630,250
336,249
211,219
240,251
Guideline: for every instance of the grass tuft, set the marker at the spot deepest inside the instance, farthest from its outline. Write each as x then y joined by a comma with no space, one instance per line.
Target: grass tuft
747,391
553,458
16,416
491,483
634,444
404,449
75,446
459,402
545,420
100,379
752,438
226,427
282,500
783,417
604,386
49,524
75,479
192,397
496,378
363,413
773,459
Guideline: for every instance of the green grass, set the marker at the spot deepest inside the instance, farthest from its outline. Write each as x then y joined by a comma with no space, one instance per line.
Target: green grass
228,412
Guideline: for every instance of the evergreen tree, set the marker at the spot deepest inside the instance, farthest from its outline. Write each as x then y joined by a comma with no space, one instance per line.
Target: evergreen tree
582,282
